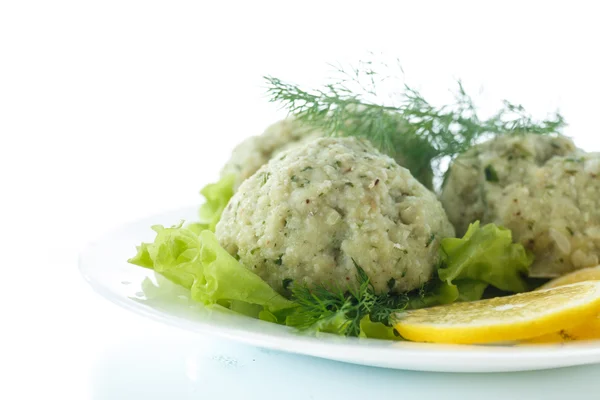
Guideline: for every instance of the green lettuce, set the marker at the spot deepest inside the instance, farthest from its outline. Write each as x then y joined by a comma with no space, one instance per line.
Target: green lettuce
486,255
433,293
376,330
336,324
470,290
200,264
217,196
192,257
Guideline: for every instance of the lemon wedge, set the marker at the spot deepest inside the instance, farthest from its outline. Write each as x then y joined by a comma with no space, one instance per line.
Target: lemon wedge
512,318
585,274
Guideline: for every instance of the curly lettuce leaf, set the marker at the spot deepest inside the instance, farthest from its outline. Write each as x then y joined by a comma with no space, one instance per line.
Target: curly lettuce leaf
470,290
227,278
195,260
376,330
485,254
336,324
266,315
241,307
200,264
434,293
173,254
217,197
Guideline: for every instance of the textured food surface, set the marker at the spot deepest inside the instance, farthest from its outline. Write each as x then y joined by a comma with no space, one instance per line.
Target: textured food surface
312,211
251,154
542,188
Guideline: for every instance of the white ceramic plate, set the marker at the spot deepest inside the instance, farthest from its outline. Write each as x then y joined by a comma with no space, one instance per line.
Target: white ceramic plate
104,266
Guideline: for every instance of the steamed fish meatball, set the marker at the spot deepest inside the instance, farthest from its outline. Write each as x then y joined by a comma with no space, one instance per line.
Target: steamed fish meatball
542,188
557,216
312,212
477,178
251,154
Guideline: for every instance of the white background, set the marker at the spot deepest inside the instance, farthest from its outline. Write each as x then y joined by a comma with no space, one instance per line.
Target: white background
114,110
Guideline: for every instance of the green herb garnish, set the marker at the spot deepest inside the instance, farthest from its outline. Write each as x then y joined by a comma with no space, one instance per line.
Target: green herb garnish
351,105
340,311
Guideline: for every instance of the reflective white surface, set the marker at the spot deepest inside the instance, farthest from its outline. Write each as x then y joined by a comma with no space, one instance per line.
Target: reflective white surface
104,266
187,366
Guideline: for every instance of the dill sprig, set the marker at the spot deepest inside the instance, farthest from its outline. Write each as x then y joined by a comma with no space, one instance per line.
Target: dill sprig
340,311
413,130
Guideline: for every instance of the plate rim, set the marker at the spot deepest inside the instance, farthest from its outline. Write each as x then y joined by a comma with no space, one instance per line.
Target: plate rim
498,358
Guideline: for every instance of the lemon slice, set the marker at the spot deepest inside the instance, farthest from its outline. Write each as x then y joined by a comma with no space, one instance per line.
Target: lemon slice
589,330
586,274
518,317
